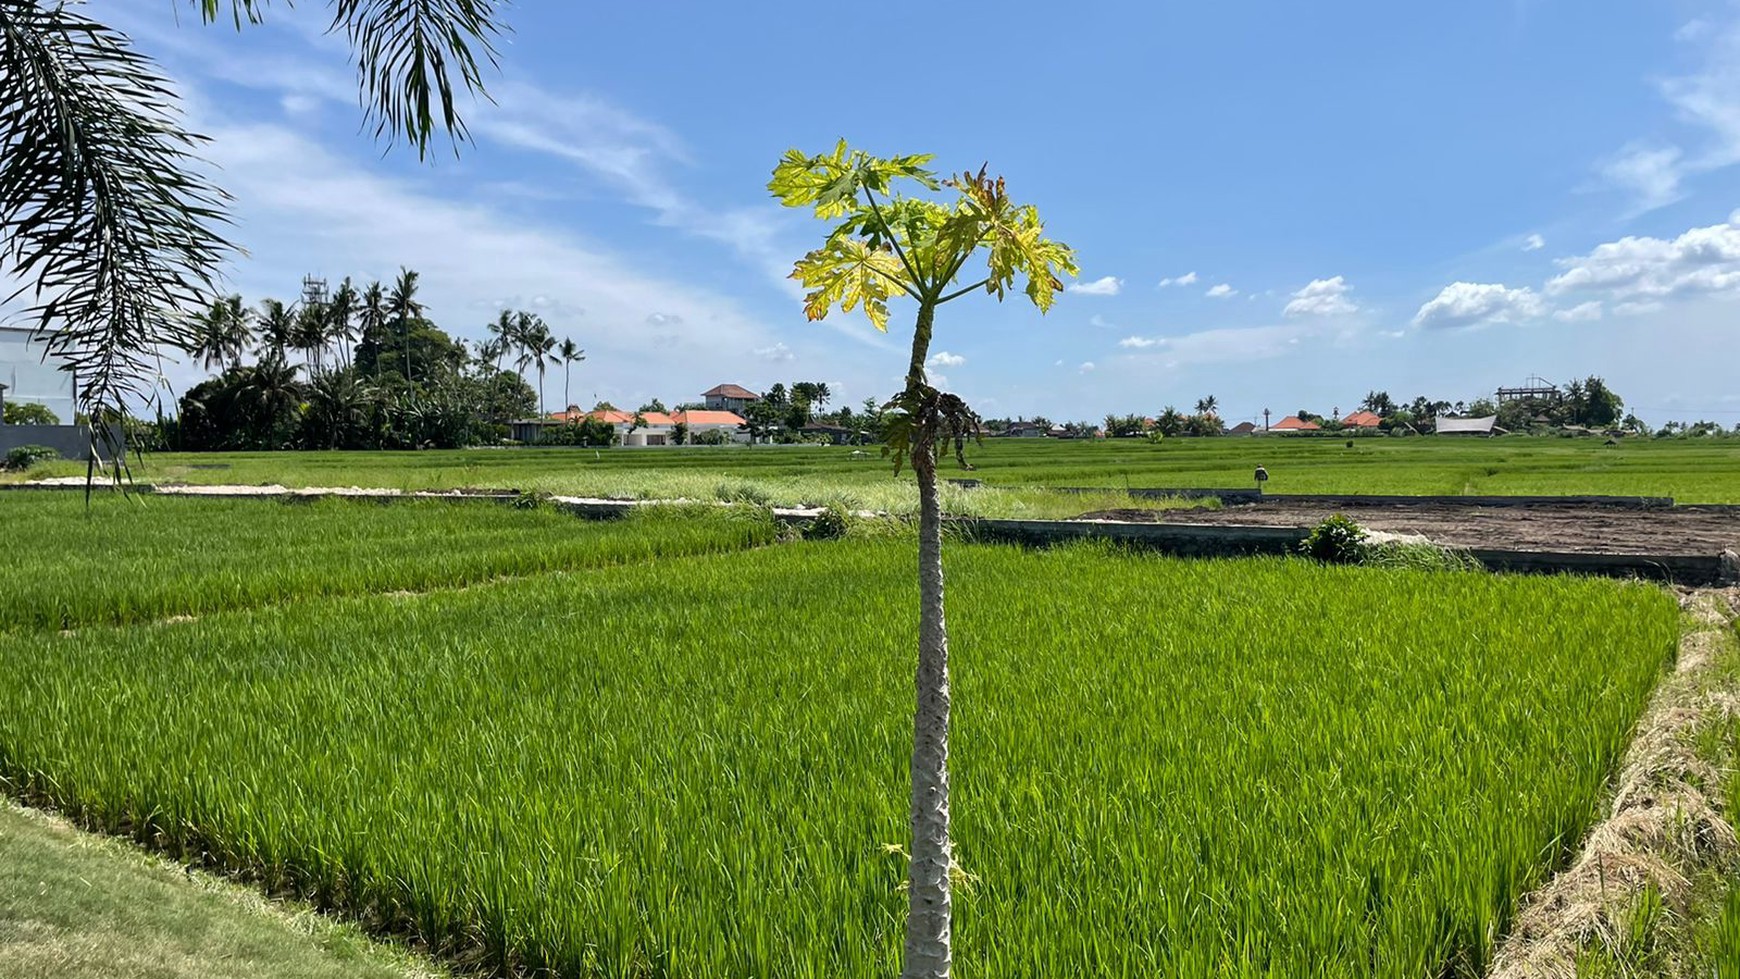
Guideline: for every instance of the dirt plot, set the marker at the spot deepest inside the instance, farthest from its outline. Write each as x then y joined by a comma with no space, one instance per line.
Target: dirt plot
1578,528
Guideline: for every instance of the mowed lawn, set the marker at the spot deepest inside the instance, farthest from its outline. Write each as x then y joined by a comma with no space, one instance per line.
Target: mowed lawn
1691,471
696,766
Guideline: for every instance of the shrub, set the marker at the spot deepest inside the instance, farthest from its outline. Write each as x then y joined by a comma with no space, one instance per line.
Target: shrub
587,432
1337,540
26,456
29,413
833,523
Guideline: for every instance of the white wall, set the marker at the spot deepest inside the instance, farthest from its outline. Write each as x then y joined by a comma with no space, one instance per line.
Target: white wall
29,379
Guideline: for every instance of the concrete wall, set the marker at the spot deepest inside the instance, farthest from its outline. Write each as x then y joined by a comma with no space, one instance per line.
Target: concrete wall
71,441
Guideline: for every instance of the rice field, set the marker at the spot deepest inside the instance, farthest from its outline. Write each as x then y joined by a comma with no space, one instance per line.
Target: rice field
696,766
143,558
1690,470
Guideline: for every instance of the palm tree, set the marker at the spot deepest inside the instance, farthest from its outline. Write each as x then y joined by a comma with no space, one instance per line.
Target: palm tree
402,308
338,407
109,215
372,321
538,344
506,333
309,335
272,390
277,329
1207,405
568,352
222,333
340,310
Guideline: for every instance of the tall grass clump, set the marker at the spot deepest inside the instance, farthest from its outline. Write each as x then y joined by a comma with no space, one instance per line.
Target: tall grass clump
696,768
134,559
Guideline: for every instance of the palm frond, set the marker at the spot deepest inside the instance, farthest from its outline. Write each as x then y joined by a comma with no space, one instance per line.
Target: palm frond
412,57
103,212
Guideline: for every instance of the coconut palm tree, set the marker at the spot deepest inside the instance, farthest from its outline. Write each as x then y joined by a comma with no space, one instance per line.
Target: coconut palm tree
506,331
107,212
309,335
277,329
372,321
402,308
1207,405
539,345
568,352
222,333
341,310
338,408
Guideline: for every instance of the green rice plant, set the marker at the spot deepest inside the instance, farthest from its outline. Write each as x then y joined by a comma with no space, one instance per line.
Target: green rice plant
1690,470
1248,768
135,559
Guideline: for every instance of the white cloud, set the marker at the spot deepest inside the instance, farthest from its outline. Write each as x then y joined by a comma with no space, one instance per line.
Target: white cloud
1651,174
1701,260
1222,291
1692,30
1230,345
1637,308
942,358
1096,320
1474,304
1106,286
1322,297
779,353
1708,102
663,319
1582,313
1087,367
1187,279
1534,243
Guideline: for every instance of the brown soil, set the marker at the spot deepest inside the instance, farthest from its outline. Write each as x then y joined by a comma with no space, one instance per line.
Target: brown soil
1555,527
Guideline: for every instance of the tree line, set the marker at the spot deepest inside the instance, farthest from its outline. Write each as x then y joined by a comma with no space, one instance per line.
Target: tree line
363,368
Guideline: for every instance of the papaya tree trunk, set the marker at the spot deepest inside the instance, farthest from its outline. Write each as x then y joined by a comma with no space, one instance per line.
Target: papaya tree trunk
928,914
927,948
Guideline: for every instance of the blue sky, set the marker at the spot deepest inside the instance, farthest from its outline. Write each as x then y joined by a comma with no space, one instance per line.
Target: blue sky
1283,205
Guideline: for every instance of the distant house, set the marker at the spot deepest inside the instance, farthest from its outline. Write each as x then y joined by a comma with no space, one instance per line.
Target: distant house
1362,419
730,397
1293,423
699,421
1243,428
1025,430
1466,426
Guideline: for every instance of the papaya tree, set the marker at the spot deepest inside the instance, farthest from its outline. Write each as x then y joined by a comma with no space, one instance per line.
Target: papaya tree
894,237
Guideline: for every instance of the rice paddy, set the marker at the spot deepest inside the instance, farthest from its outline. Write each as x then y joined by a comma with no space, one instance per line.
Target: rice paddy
142,558
1690,470
695,765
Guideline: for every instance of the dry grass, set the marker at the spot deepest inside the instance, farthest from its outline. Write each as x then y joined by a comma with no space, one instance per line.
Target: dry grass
1664,836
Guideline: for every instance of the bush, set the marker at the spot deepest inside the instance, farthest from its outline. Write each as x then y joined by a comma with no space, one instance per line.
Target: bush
590,432
1337,540
711,436
833,523
29,413
25,456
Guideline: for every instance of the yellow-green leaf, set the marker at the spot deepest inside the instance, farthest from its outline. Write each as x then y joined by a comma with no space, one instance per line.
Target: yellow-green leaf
847,272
